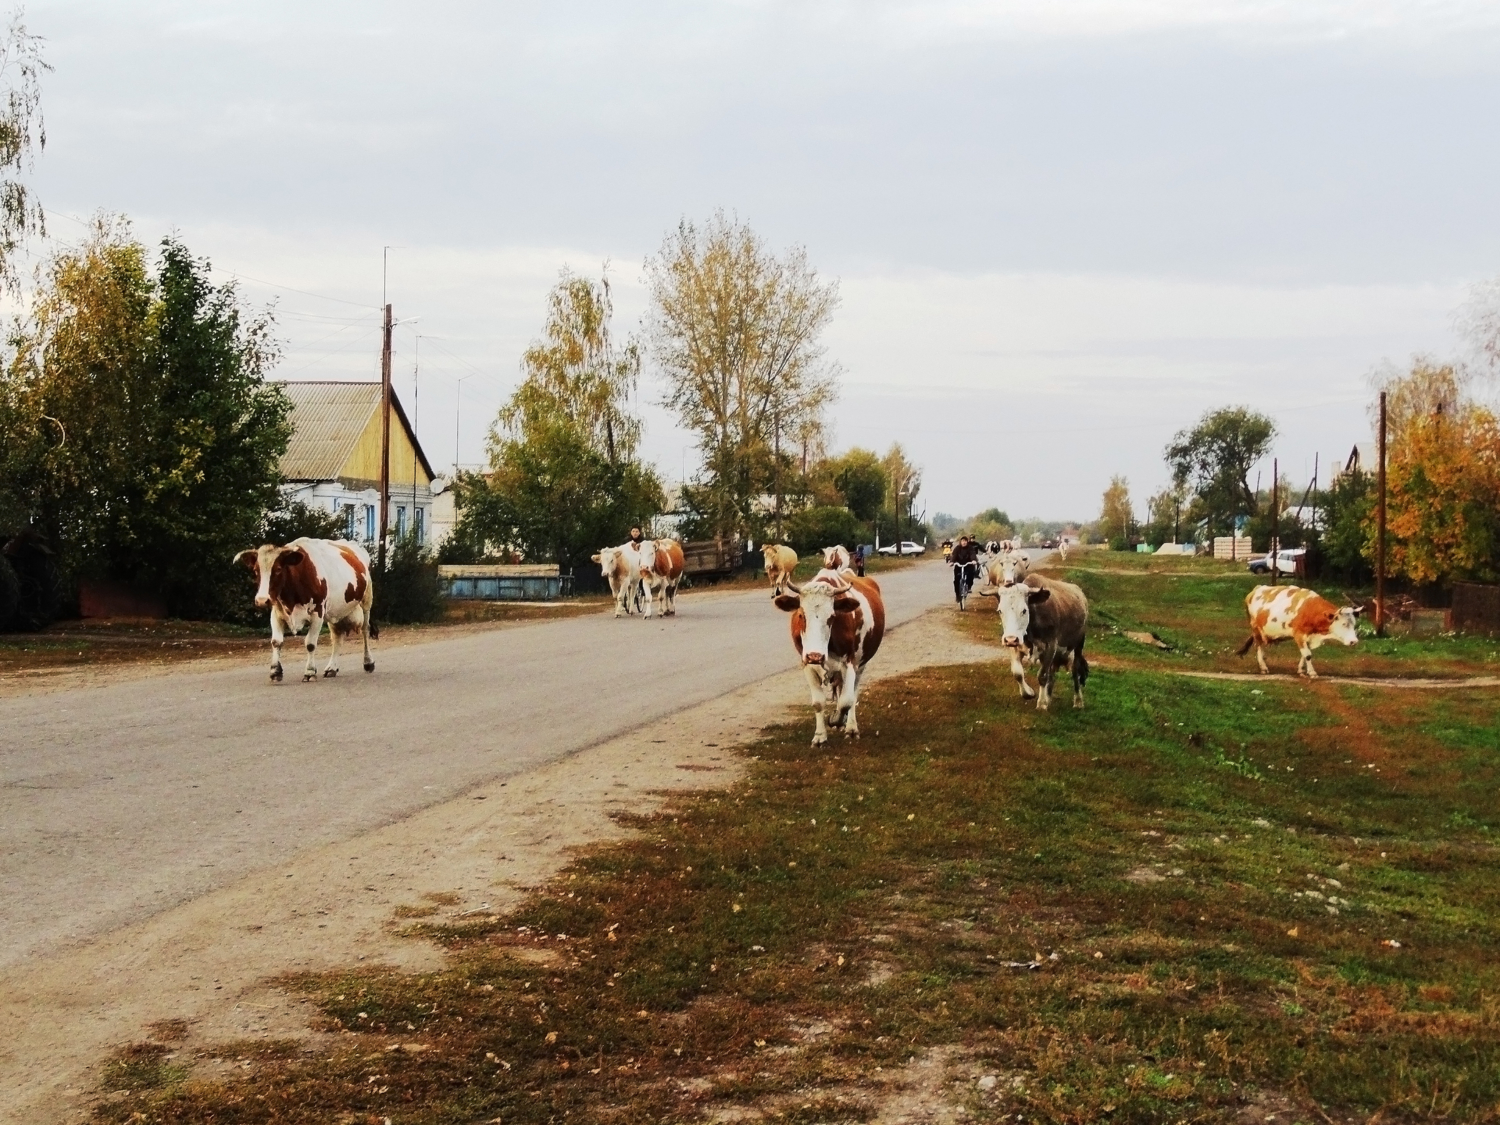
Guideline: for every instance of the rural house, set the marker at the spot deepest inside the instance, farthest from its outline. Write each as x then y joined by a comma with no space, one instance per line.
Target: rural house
333,459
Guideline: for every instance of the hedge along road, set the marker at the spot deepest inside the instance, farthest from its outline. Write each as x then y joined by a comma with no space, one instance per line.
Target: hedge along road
125,799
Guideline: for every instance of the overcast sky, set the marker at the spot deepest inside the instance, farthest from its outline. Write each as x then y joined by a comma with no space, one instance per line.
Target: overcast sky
1062,229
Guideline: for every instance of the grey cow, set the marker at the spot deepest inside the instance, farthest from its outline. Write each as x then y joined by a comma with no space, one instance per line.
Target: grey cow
1050,619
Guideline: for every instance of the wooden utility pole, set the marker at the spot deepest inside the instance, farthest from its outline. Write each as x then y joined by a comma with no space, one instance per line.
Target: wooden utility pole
1380,530
777,452
385,434
1275,518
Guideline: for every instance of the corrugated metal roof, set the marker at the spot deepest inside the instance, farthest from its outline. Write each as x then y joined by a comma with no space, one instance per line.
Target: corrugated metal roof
327,421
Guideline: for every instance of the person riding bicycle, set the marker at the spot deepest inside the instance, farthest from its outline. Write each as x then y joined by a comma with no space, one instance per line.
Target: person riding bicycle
965,563
947,549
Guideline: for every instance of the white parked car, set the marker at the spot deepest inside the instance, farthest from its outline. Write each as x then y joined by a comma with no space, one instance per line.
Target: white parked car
1287,561
907,548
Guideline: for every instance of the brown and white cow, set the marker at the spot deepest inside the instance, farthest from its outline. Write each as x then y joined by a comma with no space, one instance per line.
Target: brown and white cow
621,567
1278,613
1045,620
781,563
661,569
308,582
837,558
838,621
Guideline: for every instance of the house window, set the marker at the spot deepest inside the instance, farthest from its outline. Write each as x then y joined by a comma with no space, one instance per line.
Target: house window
400,520
370,523
348,521
417,514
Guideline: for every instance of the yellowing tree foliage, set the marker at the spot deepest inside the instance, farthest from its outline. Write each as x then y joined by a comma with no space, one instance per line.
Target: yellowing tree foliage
1443,497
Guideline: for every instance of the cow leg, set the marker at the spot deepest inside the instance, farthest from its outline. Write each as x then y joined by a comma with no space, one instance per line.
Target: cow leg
818,690
850,703
1018,670
1260,653
672,599
364,631
278,637
331,669
1080,675
650,595
1045,677
314,628
1305,665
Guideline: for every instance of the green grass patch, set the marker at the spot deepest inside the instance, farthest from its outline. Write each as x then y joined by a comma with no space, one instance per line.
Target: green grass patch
1197,608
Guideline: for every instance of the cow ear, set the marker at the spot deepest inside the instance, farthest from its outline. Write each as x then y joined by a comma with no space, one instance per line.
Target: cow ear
247,558
292,556
1037,597
788,603
845,605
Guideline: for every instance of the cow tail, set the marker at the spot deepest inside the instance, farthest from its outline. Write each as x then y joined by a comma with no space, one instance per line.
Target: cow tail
1244,648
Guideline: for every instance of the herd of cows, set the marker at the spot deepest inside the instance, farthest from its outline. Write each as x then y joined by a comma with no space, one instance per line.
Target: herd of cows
837,616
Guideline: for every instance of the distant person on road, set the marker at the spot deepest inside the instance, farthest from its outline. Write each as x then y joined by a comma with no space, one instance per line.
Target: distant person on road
965,563
859,561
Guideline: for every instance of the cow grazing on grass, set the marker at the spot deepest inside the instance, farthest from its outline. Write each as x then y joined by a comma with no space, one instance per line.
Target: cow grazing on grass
1047,620
308,582
838,621
661,570
837,558
1278,613
781,562
621,567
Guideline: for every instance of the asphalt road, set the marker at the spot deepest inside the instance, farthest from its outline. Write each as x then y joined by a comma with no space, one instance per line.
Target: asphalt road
122,800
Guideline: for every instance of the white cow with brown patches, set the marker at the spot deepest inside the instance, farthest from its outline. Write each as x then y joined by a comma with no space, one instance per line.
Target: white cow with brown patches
308,582
662,564
1279,613
837,559
838,621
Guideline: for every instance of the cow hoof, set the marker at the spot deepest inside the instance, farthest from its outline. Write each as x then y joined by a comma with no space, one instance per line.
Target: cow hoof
308,676
329,673
276,675
819,739
1078,704
369,665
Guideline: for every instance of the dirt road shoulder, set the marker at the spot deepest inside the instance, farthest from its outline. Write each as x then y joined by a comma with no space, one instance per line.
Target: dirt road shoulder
206,962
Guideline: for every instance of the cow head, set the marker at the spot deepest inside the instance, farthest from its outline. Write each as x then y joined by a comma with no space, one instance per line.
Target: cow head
1344,627
770,551
1014,603
818,601
264,562
616,562
836,558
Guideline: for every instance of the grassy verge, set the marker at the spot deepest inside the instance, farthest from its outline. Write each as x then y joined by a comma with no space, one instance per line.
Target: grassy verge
1197,608
1191,901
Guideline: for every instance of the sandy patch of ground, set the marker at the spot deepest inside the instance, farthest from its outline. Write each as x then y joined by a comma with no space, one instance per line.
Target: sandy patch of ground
206,962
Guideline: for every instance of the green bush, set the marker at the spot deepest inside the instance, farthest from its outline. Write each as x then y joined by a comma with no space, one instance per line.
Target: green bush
408,589
809,531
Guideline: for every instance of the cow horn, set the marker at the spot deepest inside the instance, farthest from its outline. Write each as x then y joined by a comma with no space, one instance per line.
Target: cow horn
793,587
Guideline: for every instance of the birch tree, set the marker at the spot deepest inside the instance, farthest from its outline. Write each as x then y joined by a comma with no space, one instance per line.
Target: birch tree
736,330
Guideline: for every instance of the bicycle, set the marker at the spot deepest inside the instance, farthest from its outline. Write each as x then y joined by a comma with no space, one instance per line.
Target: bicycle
964,574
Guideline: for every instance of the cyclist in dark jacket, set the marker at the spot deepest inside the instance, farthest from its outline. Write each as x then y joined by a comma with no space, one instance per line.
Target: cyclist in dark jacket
965,563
